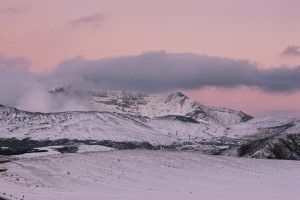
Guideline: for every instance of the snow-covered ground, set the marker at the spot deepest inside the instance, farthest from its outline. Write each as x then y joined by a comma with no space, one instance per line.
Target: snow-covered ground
137,174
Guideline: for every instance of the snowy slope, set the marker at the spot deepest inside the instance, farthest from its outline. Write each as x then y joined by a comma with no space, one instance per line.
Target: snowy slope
131,175
100,126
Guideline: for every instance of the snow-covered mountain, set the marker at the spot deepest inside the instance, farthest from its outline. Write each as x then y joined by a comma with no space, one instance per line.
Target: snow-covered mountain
137,120
152,105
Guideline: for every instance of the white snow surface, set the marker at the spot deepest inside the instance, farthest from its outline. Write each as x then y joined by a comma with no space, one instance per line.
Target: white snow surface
148,175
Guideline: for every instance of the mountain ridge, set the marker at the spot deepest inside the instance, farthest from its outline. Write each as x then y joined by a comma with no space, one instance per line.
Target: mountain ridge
167,121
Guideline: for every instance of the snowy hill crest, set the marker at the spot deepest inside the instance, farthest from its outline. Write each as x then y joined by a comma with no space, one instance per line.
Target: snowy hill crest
153,105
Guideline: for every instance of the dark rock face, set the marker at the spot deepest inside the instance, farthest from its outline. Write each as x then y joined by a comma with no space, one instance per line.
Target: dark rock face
285,147
245,117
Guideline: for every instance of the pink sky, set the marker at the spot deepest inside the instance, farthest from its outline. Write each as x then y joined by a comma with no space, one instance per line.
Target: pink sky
47,32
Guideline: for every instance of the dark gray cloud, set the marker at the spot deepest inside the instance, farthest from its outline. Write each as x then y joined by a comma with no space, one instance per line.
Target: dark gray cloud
292,50
92,21
15,9
148,72
161,71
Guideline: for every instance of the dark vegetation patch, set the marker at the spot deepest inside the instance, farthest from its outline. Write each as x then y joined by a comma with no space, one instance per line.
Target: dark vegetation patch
28,143
4,161
18,151
3,170
14,146
124,145
67,149
285,146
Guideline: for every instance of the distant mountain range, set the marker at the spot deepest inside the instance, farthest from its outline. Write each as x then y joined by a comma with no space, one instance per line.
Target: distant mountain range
127,120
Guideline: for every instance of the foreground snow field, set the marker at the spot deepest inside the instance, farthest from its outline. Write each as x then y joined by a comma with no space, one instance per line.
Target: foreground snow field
141,174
